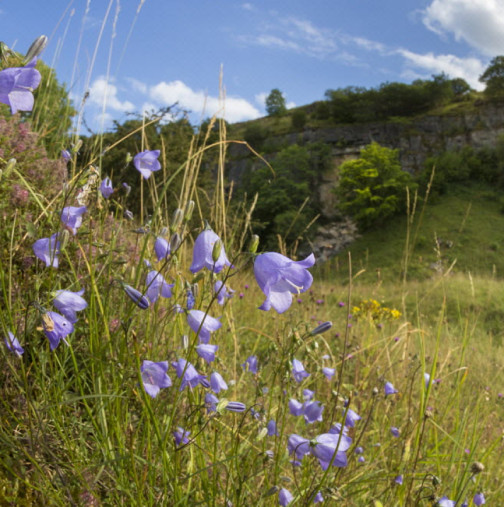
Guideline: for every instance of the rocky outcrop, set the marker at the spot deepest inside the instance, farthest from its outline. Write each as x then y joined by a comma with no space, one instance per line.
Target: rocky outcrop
332,238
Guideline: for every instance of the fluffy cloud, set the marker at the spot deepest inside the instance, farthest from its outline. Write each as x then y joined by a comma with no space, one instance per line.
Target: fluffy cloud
233,110
103,93
480,23
467,68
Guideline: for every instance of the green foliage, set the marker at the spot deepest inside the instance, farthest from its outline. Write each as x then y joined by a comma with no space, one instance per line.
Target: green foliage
493,77
298,119
275,103
283,193
255,135
373,187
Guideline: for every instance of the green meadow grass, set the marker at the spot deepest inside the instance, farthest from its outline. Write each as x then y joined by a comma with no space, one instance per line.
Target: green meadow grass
78,427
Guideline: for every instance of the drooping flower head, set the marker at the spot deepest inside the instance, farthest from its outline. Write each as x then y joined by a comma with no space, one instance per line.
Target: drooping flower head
285,497
47,250
298,371
161,248
399,480
217,383
222,292
146,162
479,499
68,302
181,436
211,402
298,446
296,408
328,372
106,187
395,431
312,411
351,418
157,286
66,155
187,372
446,502
203,253
207,351
136,296
72,217
204,324
279,277
154,376
390,389
17,85
56,328
12,343
251,364
272,428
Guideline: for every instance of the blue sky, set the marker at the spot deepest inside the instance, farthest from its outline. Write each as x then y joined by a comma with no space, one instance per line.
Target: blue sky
153,53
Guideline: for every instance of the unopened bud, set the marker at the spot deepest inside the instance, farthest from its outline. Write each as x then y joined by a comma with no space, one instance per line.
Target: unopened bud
436,481
188,210
127,188
262,434
9,166
185,340
217,249
128,215
428,414
477,467
321,328
375,391
77,146
254,243
178,215
174,242
38,45
129,158
164,231
271,491
195,290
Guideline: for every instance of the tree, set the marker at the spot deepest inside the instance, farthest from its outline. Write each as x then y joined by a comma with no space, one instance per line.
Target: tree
373,187
275,103
493,77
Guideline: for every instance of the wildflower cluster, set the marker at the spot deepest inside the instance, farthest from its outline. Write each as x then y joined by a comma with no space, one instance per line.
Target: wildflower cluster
372,309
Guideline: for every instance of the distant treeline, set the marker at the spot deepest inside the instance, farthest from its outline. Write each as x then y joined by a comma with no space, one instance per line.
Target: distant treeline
357,104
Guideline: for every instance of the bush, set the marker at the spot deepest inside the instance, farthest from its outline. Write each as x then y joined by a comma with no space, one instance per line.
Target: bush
298,119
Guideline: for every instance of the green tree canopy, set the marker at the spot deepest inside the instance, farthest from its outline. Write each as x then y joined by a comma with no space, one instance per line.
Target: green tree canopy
275,103
493,77
373,187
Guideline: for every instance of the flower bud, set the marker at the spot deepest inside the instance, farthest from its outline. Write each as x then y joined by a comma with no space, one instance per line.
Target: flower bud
128,214
127,188
477,467
185,341
38,45
77,146
321,328
63,237
174,242
188,210
236,406
164,231
129,157
136,296
254,243
217,249
177,218
195,290
9,166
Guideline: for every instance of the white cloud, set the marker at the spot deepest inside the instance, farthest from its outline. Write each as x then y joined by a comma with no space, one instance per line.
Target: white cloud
103,93
234,109
247,6
260,98
137,85
480,23
290,105
467,68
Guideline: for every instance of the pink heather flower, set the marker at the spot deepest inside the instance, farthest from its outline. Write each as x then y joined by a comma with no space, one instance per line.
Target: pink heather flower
146,162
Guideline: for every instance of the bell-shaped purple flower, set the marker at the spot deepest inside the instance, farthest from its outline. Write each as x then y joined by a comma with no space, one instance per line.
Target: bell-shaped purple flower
298,446
395,431
351,418
161,248
326,445
279,277
17,85
56,328
68,302
285,497
72,217
146,162
203,253
207,351
47,250
66,155
271,428
445,502
217,383
338,428
187,372
390,389
479,499
426,380
328,372
308,394
399,480
222,292
251,364
295,407
318,498
181,436
312,411
157,286
211,402
298,371
13,344
203,324
154,376
106,187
